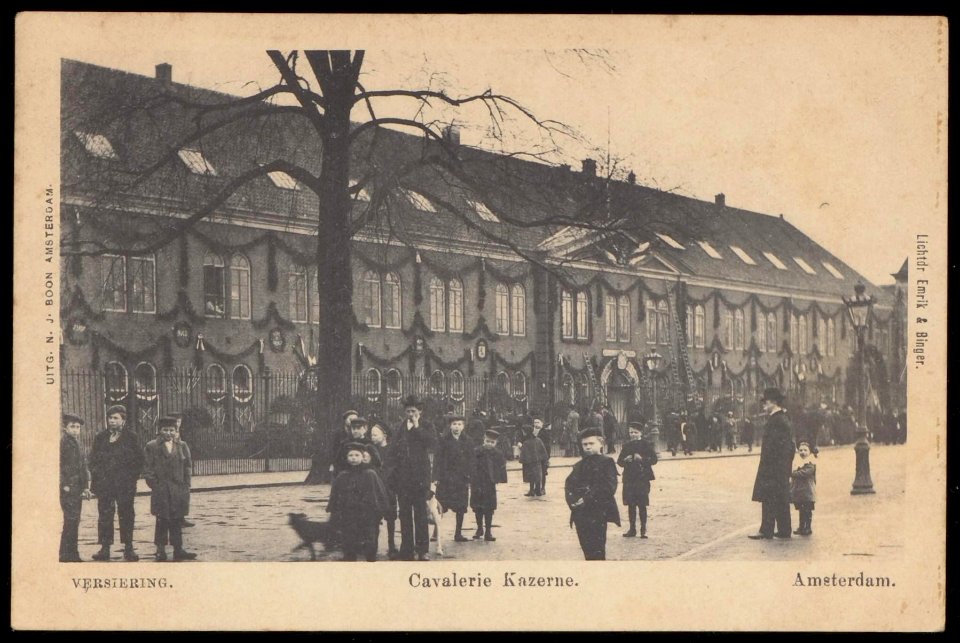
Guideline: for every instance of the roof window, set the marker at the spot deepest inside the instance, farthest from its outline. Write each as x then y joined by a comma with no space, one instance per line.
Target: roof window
670,241
283,180
194,160
97,144
418,201
832,270
805,266
775,260
710,250
483,211
744,257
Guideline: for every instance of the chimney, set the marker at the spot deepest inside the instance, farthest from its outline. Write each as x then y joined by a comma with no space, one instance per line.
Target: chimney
451,134
165,73
632,178
721,200
589,167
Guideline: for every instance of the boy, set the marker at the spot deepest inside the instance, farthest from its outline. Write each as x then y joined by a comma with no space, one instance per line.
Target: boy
451,469
543,433
637,459
803,488
358,434
490,468
590,490
358,500
74,486
167,471
532,455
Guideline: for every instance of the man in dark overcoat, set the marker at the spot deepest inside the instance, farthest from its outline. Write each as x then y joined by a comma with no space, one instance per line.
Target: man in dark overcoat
74,486
453,465
167,471
610,428
116,461
772,486
408,473
590,490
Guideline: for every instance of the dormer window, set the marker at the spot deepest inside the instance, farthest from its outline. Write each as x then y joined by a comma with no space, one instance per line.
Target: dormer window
775,260
670,241
483,211
804,266
197,164
832,270
744,257
97,145
418,201
283,180
710,250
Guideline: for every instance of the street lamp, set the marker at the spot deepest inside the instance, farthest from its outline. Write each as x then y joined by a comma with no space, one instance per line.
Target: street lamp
652,362
859,309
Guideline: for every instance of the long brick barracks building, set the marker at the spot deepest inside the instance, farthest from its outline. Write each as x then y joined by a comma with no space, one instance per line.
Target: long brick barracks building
732,300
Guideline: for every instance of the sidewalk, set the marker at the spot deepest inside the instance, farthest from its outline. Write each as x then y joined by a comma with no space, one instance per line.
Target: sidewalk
286,478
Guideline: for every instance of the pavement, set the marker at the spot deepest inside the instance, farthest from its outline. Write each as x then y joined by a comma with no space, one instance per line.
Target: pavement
700,510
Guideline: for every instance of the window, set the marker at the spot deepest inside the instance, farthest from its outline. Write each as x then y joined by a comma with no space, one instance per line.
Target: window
518,309
437,305
772,332
610,312
97,145
216,382
455,305
313,296
392,317
519,386
483,211
297,293
726,328
698,326
689,318
371,299
793,333
283,180
371,385
744,257
197,164
143,295
802,332
566,314
670,241
394,386
832,270
775,260
582,317
213,286
145,381
651,322
115,382
623,318
437,384
831,337
418,201
503,310
113,277
239,287
822,334
242,384
663,322
804,265
710,250
761,333
502,383
738,329
457,391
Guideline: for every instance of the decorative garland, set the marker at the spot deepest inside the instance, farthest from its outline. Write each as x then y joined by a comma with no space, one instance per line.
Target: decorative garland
77,301
182,307
430,357
481,330
98,341
418,327
184,262
273,315
495,359
231,358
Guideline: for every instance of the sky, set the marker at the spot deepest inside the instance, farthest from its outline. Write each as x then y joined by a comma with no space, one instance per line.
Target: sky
838,124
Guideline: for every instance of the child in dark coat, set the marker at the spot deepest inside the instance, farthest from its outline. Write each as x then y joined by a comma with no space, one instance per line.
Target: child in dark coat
490,468
532,456
379,436
590,490
74,486
637,459
452,467
358,500
803,489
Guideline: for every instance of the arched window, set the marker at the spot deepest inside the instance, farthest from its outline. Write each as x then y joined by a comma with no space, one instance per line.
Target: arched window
519,386
297,292
370,299
113,280
663,319
610,313
698,327
772,332
690,324
623,318
582,318
651,322
437,384
213,286
726,328
239,287
371,385
457,389
802,331
822,335
761,333
216,383
455,305
568,389
392,313
437,305
518,310
794,324
242,383
503,309
738,329
116,384
313,296
394,385
145,381
566,314
502,382
143,284
831,337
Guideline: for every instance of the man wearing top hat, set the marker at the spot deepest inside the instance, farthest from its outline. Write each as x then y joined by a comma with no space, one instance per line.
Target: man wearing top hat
74,486
408,473
116,461
772,486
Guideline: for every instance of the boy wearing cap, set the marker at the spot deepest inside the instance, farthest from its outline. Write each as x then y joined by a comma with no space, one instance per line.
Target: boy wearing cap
532,455
590,490
451,469
772,485
358,434
637,459
490,469
74,486
358,500
116,461
167,471
543,433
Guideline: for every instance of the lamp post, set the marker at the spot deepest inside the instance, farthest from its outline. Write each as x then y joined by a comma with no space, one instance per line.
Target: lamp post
859,309
652,362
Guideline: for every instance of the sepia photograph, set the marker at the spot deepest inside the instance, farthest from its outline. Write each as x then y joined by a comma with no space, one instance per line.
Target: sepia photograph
571,318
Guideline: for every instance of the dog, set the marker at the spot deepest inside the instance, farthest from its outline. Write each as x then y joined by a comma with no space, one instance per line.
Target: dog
310,532
435,518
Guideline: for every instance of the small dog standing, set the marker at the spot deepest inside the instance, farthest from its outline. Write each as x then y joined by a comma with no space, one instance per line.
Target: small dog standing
435,518
310,532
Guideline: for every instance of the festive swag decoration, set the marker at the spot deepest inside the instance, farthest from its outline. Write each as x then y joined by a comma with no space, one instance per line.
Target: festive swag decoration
430,359
78,302
753,316
482,286
183,307
599,300
716,312
184,262
418,327
481,330
231,358
98,342
273,315
716,346
496,360
271,264
417,285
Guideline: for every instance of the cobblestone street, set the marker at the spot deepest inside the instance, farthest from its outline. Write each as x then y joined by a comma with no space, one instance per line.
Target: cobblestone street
700,510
